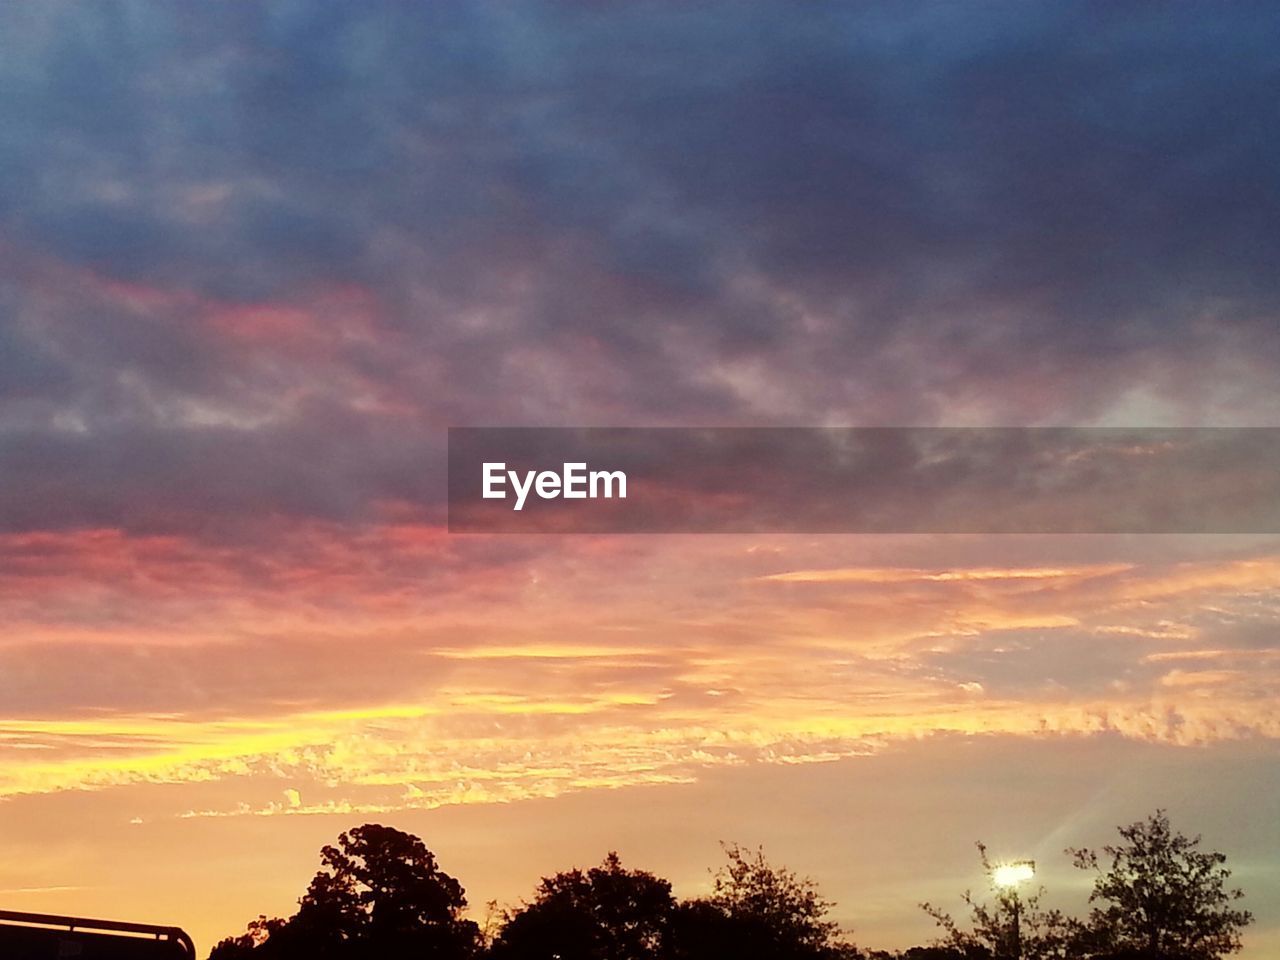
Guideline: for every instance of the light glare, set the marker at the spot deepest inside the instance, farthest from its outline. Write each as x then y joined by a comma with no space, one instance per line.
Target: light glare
1011,874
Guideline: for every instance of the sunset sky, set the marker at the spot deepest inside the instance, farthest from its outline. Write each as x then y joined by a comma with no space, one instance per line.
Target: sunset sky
255,259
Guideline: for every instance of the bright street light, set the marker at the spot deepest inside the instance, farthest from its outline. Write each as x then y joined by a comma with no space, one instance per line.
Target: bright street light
1012,874
1007,876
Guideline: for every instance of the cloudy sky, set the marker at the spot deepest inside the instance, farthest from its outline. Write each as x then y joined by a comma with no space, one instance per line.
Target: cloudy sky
254,260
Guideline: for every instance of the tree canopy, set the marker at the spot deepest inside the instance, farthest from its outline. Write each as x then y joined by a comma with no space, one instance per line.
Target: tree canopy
611,913
380,893
771,912
605,913
1158,895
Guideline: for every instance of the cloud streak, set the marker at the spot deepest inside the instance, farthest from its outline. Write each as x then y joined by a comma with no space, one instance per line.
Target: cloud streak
462,707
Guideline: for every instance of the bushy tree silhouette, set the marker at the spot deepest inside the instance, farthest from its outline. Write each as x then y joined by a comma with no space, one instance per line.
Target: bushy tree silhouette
1160,897
256,935
756,910
931,952
606,913
379,894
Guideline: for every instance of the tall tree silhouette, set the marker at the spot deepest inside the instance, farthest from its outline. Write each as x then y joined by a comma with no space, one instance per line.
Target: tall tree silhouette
1160,896
379,893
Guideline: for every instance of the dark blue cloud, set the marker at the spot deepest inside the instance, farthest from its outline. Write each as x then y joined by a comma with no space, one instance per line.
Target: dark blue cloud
652,213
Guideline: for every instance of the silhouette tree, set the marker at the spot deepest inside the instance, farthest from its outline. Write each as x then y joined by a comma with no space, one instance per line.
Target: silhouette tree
256,935
759,911
1015,927
379,894
606,913
1162,897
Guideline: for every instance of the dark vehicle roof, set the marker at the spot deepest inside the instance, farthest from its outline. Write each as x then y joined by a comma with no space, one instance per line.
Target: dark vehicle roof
42,936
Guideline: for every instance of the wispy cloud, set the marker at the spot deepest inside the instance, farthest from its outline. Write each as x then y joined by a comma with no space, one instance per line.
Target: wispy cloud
899,575
723,669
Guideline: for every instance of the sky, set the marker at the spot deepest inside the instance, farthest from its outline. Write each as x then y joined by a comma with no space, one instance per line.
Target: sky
256,259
